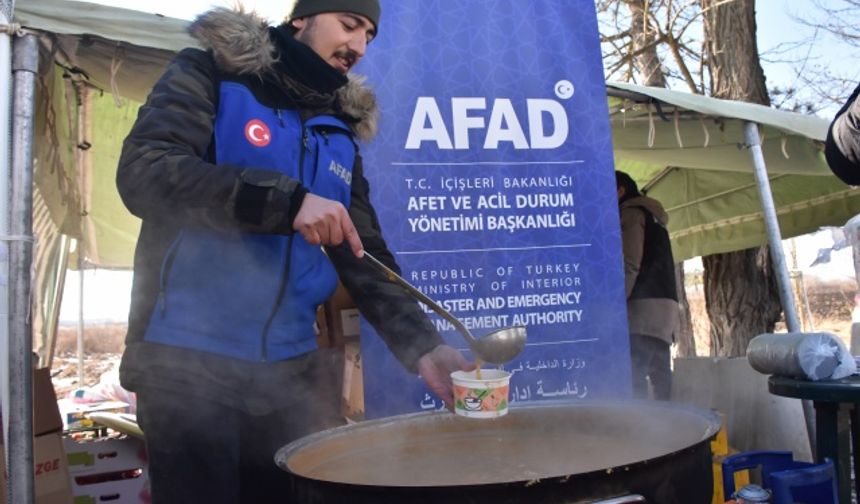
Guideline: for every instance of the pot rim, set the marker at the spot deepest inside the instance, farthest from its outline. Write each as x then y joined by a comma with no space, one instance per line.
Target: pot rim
712,419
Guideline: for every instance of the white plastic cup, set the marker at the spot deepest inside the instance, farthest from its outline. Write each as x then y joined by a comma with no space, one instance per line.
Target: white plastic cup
484,398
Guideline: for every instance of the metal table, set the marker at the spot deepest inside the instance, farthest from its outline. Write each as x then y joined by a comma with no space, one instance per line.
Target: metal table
837,422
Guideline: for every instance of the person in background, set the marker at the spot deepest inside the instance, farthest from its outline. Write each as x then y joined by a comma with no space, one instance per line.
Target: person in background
242,163
842,148
649,281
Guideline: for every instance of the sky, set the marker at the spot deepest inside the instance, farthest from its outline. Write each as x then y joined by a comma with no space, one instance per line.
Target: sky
777,22
777,27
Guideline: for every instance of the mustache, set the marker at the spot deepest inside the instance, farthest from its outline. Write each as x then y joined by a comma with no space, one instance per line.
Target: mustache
349,56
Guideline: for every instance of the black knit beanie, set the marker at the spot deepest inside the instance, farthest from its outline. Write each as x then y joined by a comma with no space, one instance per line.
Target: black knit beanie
368,8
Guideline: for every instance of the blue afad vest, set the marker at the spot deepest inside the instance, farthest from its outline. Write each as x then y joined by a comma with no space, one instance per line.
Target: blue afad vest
254,296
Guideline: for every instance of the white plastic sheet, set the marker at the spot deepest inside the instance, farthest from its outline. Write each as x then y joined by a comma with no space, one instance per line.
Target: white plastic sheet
813,356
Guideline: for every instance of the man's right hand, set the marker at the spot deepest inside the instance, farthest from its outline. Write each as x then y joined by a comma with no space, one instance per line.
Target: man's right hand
322,221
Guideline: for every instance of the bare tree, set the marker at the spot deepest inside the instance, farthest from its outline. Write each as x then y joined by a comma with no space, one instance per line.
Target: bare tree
642,38
818,84
740,289
741,295
664,30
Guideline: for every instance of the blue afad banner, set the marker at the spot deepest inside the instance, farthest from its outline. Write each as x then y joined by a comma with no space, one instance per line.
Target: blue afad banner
493,179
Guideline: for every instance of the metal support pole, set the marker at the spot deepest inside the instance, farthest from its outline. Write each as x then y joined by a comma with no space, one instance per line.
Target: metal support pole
5,174
80,333
777,255
25,67
771,223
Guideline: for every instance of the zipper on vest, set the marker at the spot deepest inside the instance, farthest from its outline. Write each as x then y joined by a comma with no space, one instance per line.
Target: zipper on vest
282,289
166,266
285,277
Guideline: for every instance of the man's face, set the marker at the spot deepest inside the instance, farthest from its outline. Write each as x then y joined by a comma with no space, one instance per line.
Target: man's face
340,38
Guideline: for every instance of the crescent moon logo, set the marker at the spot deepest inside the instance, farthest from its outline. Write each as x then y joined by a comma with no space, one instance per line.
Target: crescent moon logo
258,133
564,89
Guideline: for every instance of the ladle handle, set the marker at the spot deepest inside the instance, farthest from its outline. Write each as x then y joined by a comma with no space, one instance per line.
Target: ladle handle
394,277
627,499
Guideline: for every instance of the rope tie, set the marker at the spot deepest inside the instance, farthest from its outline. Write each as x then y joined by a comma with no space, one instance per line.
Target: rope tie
707,135
115,64
678,128
14,29
16,238
652,129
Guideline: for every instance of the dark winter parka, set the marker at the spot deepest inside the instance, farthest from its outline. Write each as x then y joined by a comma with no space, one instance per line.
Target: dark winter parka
223,152
842,148
649,271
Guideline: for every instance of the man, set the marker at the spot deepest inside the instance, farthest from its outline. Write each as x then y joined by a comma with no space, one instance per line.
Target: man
842,148
241,164
649,281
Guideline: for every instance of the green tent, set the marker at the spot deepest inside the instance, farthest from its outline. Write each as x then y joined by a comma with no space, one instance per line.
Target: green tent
689,152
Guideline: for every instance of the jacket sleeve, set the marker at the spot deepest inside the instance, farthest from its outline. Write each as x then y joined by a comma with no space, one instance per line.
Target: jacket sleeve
165,170
397,317
632,245
842,148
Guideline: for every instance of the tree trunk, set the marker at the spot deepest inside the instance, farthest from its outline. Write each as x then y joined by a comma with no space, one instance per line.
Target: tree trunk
685,338
735,305
732,52
648,64
740,287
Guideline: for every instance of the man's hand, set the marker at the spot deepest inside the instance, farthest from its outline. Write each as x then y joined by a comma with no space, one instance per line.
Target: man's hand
326,222
436,366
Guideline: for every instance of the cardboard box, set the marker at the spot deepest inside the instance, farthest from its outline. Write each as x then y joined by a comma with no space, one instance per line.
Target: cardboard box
50,471
46,415
108,470
74,415
102,455
323,336
350,324
352,401
341,317
131,487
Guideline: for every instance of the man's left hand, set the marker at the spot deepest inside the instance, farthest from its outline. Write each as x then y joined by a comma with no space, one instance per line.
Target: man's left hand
436,366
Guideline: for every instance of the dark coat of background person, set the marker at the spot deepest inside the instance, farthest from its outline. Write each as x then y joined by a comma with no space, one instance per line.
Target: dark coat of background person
649,281
842,148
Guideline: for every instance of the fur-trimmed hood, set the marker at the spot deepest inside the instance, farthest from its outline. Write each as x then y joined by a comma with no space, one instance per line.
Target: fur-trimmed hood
241,45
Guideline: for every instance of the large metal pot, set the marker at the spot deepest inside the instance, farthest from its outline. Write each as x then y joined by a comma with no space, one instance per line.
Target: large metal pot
546,452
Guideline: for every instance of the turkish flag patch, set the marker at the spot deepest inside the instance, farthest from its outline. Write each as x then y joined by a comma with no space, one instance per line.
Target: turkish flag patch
258,133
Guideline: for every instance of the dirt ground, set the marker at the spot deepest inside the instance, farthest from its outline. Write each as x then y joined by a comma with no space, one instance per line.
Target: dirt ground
830,306
103,344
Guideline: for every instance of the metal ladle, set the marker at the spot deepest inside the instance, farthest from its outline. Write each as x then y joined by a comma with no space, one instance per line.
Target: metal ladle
497,347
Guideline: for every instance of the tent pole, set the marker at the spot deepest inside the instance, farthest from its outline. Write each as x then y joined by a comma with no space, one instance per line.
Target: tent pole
777,255
5,162
80,332
25,67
